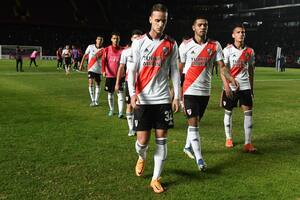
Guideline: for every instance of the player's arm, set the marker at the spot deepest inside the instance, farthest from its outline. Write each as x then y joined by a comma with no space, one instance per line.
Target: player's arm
251,68
227,89
82,60
225,73
104,61
132,73
120,74
175,76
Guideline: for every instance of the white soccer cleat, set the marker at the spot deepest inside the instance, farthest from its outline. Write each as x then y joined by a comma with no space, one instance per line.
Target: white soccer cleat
189,152
201,165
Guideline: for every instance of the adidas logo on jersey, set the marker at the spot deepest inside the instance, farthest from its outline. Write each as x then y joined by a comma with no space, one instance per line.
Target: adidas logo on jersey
209,51
193,52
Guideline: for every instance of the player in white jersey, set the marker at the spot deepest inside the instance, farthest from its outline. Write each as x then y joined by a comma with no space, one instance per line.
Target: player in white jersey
94,53
198,55
125,62
66,54
154,59
240,59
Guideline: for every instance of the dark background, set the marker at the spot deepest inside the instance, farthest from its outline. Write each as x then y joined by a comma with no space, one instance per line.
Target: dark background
51,24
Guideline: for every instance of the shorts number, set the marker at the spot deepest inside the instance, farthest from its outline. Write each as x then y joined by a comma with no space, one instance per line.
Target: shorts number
169,116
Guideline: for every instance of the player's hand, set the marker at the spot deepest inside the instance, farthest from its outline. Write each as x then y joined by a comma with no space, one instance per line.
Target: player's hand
228,92
134,101
104,75
252,94
175,105
236,84
117,87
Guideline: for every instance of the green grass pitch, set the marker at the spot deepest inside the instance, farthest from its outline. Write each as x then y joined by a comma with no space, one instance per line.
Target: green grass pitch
54,146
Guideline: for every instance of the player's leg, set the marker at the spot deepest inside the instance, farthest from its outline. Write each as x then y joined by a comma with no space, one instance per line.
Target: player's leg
21,65
163,120
30,62
34,61
160,156
228,104
143,127
246,105
91,88
129,111
17,65
97,89
121,98
195,107
109,87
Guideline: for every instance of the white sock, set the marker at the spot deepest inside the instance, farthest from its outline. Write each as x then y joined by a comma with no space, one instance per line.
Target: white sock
129,117
120,102
141,150
97,93
187,141
110,97
248,126
228,124
91,90
160,156
194,137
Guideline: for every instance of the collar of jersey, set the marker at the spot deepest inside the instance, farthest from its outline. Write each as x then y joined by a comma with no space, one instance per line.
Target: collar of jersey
161,37
206,40
243,47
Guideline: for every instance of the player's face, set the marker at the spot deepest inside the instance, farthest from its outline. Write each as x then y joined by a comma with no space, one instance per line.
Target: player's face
115,39
99,41
158,21
239,34
200,27
134,37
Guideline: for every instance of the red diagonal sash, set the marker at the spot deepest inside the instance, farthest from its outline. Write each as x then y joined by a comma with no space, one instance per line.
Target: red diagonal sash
153,66
95,58
237,68
195,70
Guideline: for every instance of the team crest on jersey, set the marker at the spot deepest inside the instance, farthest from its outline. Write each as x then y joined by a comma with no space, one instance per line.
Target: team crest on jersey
247,56
136,122
209,51
165,50
193,52
224,103
189,111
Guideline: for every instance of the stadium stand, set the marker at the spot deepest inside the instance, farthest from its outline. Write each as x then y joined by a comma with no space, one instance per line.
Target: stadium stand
52,24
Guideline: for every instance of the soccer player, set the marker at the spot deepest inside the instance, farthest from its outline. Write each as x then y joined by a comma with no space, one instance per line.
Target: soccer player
125,62
240,60
75,57
110,63
154,61
198,55
94,53
19,59
66,54
33,57
59,58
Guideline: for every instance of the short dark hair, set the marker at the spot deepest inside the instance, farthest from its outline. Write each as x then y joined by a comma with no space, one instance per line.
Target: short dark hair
158,7
115,33
136,32
238,25
199,17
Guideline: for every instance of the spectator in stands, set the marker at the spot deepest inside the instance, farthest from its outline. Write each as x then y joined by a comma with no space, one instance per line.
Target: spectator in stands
33,57
19,59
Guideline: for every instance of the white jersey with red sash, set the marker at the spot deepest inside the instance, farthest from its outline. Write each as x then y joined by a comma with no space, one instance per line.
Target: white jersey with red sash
126,59
238,60
199,60
95,55
154,61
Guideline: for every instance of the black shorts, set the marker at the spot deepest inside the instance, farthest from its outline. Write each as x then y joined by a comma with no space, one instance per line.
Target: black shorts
242,96
95,76
68,60
158,116
127,96
111,82
195,105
